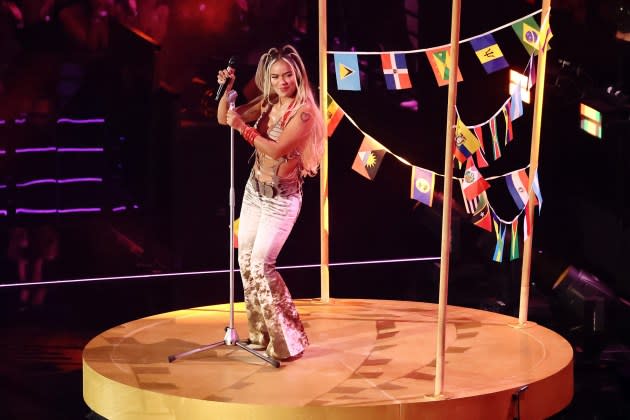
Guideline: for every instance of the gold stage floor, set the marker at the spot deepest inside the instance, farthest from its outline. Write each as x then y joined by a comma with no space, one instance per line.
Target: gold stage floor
368,359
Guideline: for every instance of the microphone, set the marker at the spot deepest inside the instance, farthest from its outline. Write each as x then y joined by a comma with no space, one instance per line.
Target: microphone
231,97
221,88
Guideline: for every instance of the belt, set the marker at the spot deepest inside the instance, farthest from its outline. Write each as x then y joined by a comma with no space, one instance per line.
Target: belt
271,190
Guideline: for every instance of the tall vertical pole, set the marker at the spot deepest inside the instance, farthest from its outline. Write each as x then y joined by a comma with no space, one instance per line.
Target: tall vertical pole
451,121
323,170
533,165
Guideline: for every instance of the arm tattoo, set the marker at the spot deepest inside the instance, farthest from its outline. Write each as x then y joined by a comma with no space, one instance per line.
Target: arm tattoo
305,116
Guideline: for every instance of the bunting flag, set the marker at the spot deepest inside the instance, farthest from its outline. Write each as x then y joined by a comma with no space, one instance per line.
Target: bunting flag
347,72
536,188
496,149
480,154
471,205
545,33
465,142
516,104
498,250
489,53
473,183
508,123
369,157
514,251
395,71
481,217
517,182
422,185
440,59
334,114
528,32
531,78
527,224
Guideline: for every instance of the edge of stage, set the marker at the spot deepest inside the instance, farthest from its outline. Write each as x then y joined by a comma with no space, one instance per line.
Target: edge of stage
368,359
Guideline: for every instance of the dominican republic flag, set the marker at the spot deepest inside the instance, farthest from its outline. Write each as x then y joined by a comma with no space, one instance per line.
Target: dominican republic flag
395,71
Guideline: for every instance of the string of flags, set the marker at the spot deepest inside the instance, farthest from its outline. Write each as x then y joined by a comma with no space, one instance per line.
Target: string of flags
469,140
486,48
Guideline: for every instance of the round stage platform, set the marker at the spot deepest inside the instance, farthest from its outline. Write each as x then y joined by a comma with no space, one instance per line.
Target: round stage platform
368,359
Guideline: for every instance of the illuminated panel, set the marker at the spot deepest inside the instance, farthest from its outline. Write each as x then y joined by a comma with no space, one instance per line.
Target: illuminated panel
591,120
518,79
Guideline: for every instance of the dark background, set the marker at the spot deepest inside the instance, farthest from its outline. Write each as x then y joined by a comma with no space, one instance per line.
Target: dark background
150,74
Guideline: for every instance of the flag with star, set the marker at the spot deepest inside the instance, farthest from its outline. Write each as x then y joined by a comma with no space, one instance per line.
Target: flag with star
528,32
347,71
489,53
440,59
482,217
334,114
395,71
422,185
369,157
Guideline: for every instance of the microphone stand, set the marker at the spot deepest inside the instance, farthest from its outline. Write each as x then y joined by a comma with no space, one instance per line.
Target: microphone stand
231,336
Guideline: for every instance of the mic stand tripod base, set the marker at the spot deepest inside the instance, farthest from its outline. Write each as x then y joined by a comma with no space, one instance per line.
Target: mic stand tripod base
230,339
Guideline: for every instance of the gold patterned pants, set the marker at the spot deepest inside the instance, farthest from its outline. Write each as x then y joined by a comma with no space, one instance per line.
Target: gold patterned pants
265,224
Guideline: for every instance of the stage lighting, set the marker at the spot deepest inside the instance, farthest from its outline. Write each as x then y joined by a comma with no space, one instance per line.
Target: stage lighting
585,297
517,79
604,113
591,120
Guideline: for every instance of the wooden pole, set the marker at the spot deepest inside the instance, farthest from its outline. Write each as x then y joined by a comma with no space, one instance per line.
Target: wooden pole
323,171
451,121
533,166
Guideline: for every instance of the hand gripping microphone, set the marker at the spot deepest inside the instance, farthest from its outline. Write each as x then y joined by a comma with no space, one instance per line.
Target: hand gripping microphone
221,88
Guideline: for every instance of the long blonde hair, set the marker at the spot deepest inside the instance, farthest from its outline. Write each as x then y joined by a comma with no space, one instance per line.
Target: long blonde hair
313,150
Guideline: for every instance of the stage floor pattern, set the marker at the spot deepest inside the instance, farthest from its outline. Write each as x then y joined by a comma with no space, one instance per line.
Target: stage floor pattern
368,359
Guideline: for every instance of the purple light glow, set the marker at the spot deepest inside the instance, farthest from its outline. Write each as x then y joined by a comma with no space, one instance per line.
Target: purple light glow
80,149
60,181
3,152
196,273
60,211
4,213
3,122
80,121
35,149
20,120
119,208
60,149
